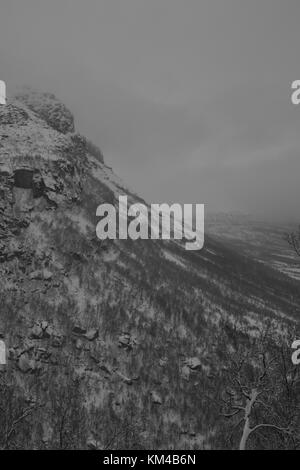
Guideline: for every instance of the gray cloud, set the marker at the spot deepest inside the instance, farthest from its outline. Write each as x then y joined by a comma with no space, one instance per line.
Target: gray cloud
188,100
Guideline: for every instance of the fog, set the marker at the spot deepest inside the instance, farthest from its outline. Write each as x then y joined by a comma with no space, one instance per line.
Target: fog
188,100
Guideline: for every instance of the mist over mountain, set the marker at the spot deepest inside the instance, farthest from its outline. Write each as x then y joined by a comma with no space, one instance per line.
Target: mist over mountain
125,344
264,240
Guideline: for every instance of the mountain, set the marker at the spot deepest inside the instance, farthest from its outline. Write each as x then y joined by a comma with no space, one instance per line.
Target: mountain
264,241
120,343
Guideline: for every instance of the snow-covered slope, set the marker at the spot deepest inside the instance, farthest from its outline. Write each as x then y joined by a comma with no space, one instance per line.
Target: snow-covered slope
103,337
264,241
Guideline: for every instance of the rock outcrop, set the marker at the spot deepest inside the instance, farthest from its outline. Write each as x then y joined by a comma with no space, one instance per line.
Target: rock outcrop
50,109
115,342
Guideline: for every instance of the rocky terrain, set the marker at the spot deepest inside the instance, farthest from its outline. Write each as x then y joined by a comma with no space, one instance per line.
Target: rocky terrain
116,344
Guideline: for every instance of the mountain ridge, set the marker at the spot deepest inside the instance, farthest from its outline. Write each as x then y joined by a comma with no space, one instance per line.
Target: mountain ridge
124,337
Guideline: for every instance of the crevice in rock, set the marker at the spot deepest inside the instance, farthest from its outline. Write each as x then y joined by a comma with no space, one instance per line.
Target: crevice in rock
23,178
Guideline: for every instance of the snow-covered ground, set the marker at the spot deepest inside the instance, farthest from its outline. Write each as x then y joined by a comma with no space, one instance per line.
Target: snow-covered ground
264,241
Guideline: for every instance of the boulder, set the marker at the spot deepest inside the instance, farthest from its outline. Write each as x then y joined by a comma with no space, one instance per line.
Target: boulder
156,398
78,330
26,365
93,444
47,275
41,275
36,275
57,340
37,332
193,363
162,362
41,330
126,341
92,334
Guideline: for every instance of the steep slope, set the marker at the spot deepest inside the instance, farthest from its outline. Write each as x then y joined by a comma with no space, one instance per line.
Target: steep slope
117,343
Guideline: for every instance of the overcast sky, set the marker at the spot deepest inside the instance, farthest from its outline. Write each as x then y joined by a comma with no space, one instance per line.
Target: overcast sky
189,100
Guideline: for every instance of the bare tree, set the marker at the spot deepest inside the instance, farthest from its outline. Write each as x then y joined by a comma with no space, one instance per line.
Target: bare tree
121,430
68,414
15,412
261,399
293,240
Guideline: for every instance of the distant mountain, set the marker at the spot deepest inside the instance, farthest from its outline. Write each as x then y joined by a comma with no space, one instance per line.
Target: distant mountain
115,344
264,241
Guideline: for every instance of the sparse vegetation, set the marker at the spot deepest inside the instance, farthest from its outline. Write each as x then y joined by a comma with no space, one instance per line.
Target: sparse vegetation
128,344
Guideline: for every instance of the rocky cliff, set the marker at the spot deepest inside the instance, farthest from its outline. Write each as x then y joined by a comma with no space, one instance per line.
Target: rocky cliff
115,344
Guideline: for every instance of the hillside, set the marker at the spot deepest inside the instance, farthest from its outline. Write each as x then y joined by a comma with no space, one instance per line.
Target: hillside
254,237
115,344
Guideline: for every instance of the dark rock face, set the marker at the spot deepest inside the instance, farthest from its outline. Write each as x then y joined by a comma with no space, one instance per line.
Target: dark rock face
23,178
